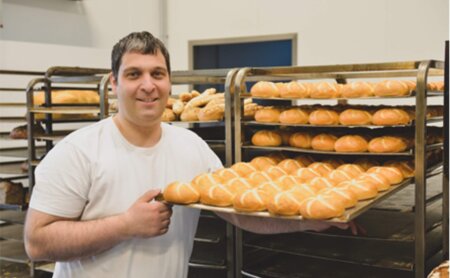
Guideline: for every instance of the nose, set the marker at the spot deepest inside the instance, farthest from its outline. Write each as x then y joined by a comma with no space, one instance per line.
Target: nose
148,84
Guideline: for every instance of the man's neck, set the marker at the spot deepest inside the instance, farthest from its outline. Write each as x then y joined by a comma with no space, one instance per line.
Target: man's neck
140,136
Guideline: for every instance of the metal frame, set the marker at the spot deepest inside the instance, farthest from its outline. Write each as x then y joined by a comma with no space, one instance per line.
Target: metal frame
421,70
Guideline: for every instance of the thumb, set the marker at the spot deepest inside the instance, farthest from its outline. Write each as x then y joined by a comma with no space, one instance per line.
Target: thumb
149,195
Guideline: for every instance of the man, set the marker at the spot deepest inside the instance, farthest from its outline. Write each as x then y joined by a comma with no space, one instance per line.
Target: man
93,209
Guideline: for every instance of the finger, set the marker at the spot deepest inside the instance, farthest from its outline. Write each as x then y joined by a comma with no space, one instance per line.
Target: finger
149,195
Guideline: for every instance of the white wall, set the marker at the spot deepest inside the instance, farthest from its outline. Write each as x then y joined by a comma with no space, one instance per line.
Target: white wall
38,34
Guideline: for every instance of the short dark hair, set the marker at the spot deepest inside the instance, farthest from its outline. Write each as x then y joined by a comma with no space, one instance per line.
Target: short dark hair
140,42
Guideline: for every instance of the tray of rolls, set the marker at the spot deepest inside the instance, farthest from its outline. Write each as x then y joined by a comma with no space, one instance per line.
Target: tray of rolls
295,188
330,90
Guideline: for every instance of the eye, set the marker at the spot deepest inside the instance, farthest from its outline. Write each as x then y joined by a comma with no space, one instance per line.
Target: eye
132,74
159,74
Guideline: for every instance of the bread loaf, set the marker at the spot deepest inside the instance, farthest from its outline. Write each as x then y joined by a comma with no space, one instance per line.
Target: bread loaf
325,90
357,89
387,144
351,143
268,115
181,193
294,116
264,89
300,140
324,117
355,117
296,89
323,142
391,116
266,138
391,88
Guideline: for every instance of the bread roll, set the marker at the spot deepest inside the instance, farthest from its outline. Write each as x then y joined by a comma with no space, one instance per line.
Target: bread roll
251,200
351,143
355,117
289,180
243,168
181,193
303,191
324,117
353,170
275,172
290,165
211,113
190,114
319,183
357,89
387,144
378,180
300,140
178,107
307,174
294,116
366,163
266,138
325,90
227,174
392,174
406,167
323,142
206,179
391,116
339,176
277,156
250,110
363,189
262,162
321,207
259,177
216,195
265,89
321,167
268,115
284,203
238,185
168,115
334,162
344,195
296,89
391,88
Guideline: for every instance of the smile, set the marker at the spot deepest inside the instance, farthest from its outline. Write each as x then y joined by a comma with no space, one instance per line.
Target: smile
147,100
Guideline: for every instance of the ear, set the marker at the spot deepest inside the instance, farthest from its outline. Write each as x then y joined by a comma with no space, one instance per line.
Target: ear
113,82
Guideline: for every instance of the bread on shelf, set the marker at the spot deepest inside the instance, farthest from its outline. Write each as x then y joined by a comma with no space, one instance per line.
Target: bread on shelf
266,138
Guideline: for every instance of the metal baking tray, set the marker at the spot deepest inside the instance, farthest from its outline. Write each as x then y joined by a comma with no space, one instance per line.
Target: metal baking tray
348,215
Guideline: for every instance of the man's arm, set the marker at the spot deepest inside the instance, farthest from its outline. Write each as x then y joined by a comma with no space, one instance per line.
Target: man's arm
263,225
49,237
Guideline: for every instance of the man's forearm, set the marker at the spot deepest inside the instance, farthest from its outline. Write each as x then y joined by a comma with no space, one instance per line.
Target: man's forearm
65,240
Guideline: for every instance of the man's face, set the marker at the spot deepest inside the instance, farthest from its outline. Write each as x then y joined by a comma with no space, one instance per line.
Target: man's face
142,88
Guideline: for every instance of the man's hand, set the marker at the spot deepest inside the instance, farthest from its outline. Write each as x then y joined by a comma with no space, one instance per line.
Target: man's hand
148,218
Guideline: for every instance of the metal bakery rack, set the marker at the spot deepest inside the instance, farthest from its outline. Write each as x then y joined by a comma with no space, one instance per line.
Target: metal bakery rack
412,232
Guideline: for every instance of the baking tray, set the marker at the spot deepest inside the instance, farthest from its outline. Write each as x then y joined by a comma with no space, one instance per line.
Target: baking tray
348,215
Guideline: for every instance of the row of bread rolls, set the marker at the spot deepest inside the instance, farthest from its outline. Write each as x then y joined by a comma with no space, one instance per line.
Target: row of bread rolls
329,90
329,142
287,187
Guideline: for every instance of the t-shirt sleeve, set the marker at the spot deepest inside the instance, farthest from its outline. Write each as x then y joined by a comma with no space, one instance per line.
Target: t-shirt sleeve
62,182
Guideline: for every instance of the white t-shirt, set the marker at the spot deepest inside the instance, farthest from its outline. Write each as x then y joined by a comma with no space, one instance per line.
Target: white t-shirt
95,172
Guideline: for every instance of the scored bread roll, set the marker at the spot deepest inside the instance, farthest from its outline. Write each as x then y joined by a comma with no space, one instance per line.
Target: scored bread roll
181,193
289,180
338,176
393,174
273,187
357,89
307,174
321,207
363,189
355,117
324,90
391,116
216,195
406,167
300,140
366,163
378,180
319,183
290,165
275,172
345,195
243,168
238,185
284,203
351,143
265,89
323,142
324,117
391,88
251,200
206,179
262,162
227,174
259,177
294,116
387,144
305,160
322,167
277,156
352,169
268,115
335,162
296,89
266,138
